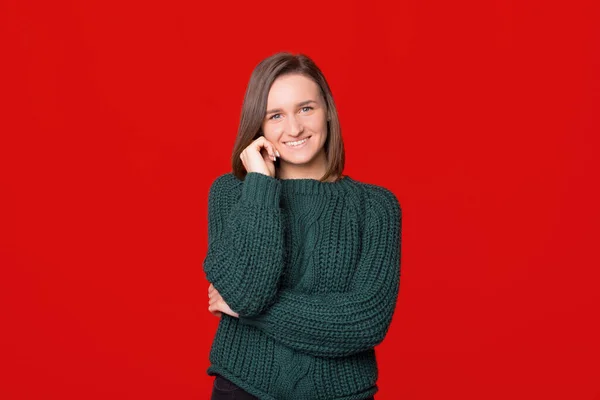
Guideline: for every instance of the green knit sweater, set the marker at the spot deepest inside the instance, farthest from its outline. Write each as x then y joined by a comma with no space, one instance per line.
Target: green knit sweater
313,270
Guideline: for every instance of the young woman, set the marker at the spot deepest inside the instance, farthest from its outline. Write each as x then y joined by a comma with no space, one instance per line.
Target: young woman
303,261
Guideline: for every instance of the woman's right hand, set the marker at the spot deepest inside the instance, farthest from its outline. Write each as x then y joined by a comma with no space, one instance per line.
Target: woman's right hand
217,304
260,157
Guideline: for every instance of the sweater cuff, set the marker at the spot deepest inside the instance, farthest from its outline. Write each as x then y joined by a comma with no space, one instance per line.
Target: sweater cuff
262,189
256,321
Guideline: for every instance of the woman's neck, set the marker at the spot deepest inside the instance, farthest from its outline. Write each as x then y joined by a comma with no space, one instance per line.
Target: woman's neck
315,169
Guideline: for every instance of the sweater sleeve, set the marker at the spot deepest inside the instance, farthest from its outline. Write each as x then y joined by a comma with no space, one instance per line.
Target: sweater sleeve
344,323
245,241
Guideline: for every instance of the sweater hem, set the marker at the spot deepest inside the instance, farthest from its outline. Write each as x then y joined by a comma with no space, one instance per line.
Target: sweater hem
215,369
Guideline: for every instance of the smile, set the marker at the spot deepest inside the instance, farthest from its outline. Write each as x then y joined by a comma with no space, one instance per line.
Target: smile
299,143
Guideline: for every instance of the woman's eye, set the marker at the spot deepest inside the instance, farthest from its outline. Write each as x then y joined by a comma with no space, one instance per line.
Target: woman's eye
274,115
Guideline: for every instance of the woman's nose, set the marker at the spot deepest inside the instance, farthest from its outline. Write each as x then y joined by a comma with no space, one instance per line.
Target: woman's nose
294,127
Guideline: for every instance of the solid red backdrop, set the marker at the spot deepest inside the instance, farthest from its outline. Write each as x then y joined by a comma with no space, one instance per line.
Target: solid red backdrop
481,116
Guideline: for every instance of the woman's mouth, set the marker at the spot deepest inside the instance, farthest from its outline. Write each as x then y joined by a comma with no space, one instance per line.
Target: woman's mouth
297,144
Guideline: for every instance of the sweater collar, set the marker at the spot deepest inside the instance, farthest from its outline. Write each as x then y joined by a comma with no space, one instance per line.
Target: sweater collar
315,186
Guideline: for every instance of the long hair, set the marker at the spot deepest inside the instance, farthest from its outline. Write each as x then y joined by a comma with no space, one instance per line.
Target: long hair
254,109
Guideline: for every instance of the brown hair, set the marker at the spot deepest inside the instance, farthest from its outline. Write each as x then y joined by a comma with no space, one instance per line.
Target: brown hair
254,109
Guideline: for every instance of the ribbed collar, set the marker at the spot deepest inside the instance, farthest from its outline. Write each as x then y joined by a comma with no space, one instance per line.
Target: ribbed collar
315,186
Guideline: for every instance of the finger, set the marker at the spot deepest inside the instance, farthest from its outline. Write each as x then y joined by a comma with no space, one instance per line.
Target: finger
213,300
272,149
215,312
263,142
267,157
242,157
227,310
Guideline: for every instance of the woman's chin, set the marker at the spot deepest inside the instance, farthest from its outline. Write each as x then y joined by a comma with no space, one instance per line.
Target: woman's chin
298,158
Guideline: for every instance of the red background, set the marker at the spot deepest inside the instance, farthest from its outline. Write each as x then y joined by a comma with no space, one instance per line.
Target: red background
482,116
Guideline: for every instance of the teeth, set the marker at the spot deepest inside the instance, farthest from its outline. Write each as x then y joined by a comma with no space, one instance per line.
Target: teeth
296,143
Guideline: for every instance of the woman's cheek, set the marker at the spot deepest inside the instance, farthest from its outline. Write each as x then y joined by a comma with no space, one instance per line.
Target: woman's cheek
317,125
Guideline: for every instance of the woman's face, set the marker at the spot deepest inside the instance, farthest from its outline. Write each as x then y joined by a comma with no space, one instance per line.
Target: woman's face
296,111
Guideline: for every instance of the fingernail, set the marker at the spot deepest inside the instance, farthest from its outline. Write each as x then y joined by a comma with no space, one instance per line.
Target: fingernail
277,151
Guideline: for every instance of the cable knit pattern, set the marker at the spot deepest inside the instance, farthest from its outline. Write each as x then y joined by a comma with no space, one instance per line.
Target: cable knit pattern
313,270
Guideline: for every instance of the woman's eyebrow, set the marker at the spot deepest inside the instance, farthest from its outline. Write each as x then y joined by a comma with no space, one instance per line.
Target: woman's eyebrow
297,105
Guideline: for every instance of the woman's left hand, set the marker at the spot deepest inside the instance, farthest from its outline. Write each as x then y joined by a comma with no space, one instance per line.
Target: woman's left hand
216,303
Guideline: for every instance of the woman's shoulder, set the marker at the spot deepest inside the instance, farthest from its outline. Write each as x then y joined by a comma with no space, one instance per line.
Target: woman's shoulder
224,191
225,182
375,194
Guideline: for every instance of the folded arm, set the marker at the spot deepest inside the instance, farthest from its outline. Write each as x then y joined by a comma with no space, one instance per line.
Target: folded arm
340,324
245,241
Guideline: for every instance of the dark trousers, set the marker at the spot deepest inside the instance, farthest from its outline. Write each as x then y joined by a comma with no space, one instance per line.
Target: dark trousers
224,389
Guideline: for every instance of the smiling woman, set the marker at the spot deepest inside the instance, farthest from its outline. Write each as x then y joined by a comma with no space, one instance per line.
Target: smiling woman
299,132
303,262
298,106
